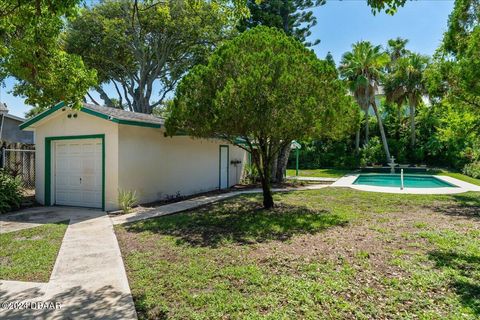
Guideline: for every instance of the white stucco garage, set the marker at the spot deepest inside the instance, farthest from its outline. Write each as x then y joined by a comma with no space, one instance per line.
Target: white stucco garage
83,157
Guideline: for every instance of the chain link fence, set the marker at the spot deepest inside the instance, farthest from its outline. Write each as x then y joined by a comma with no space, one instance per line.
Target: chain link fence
19,163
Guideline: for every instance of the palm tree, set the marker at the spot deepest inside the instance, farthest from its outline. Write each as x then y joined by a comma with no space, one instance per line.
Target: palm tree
363,68
396,48
406,84
395,95
392,89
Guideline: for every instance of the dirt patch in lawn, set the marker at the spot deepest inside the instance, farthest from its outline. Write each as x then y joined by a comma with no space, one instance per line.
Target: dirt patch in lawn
322,254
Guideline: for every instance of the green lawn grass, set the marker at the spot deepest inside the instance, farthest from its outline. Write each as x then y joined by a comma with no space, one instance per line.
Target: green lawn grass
29,255
323,173
460,176
333,253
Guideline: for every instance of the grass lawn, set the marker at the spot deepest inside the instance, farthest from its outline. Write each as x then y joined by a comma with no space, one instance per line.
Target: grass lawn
29,255
323,173
460,176
329,253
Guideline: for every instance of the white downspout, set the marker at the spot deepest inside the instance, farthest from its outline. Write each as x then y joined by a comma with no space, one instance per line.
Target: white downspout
1,126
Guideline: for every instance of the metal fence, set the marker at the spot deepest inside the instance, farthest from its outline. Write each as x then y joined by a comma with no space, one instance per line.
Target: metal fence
19,163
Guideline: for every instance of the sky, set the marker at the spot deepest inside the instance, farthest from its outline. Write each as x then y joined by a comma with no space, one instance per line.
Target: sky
342,23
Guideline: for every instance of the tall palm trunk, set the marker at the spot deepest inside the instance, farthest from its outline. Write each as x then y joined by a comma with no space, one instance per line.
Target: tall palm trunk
412,126
367,127
382,131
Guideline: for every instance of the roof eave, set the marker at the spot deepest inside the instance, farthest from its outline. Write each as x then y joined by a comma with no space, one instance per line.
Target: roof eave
29,123
42,115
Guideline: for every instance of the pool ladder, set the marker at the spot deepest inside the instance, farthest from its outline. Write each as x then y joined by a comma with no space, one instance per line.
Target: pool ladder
401,179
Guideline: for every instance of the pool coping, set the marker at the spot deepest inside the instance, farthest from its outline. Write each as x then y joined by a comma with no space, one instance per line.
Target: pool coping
461,186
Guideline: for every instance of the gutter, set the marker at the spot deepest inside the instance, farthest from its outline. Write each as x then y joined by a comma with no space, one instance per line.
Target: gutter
1,126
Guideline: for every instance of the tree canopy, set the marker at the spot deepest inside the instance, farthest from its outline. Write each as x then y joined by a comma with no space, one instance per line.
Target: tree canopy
250,89
455,70
32,52
144,48
291,16
389,6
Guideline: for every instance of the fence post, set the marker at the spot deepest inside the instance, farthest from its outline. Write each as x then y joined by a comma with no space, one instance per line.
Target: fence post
2,159
297,151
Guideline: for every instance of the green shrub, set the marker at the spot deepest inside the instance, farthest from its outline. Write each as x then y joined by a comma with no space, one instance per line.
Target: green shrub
251,174
10,192
472,169
372,153
127,199
325,154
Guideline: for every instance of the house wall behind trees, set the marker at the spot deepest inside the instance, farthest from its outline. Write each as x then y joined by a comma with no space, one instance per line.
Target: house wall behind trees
11,133
159,167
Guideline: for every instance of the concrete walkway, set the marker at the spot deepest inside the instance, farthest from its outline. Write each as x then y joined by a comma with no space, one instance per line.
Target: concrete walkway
88,279
37,216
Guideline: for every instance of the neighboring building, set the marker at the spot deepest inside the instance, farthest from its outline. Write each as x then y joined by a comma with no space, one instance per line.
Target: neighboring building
9,128
84,157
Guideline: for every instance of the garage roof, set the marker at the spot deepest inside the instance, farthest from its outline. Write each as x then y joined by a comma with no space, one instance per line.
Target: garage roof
110,114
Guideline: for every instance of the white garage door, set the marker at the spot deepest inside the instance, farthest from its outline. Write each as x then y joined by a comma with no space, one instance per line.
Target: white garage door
78,173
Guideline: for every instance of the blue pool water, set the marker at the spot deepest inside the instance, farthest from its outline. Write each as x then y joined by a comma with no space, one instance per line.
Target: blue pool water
410,181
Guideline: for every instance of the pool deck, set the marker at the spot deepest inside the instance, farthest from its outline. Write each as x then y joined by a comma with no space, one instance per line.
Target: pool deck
462,186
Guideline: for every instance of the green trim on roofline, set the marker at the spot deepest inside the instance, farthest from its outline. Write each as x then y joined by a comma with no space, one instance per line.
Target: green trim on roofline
120,121
91,112
42,115
48,164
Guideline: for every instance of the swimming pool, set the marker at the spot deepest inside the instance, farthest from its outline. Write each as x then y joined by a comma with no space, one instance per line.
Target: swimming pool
410,181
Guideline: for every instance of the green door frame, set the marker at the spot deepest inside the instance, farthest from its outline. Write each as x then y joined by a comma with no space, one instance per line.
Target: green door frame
48,163
220,165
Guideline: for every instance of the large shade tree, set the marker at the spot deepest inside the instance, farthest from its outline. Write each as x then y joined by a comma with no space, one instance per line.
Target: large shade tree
363,68
455,70
32,52
264,88
296,19
141,49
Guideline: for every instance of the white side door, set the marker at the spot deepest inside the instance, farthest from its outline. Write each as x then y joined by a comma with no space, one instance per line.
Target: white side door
78,173
224,167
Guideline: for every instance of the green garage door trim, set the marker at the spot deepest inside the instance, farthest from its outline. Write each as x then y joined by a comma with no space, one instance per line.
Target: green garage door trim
220,165
48,163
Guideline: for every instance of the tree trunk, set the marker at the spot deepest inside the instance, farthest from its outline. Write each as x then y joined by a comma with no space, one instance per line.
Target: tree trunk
282,161
399,123
273,170
267,194
103,95
382,132
412,126
263,162
367,127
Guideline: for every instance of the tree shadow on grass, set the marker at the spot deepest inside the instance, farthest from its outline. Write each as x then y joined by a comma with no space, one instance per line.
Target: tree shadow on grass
75,303
241,221
466,205
466,276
